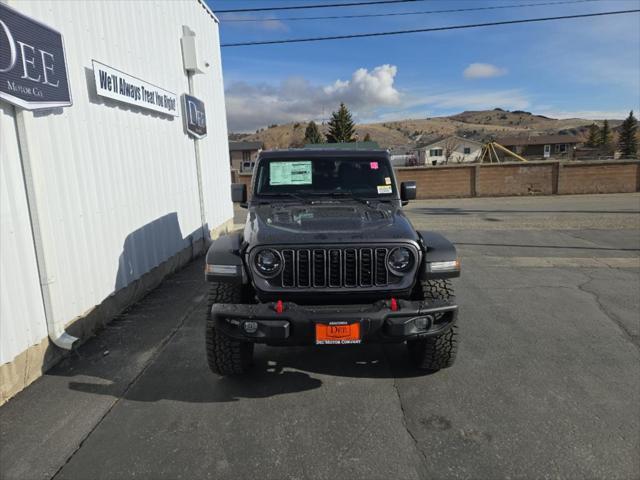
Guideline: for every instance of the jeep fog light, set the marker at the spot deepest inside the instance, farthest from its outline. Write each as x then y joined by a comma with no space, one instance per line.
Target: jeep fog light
423,322
250,327
451,266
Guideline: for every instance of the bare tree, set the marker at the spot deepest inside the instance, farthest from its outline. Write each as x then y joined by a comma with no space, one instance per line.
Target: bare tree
449,146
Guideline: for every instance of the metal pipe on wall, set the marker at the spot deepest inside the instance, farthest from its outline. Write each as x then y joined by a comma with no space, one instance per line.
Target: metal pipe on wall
58,336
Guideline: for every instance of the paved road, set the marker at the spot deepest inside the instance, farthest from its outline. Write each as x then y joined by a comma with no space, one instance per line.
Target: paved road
547,382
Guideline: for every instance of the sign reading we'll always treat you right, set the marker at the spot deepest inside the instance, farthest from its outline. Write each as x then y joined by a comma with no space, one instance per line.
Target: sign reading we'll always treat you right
120,86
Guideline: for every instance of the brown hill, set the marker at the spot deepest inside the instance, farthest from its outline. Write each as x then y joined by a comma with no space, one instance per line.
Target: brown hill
479,125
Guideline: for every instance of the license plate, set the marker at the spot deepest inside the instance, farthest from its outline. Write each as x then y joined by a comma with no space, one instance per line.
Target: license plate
337,333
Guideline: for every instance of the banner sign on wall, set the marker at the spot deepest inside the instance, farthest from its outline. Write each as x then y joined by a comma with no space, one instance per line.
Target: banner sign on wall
195,120
120,86
33,68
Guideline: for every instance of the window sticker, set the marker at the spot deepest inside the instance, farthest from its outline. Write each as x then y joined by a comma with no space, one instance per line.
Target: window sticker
373,165
290,173
384,189
387,180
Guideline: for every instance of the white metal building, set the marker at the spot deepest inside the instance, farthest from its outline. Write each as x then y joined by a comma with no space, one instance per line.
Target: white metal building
459,150
103,197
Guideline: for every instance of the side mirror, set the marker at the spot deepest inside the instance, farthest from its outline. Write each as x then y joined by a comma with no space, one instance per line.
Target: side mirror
408,191
238,193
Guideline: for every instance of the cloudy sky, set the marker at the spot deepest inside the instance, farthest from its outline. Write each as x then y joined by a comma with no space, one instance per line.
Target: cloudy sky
585,67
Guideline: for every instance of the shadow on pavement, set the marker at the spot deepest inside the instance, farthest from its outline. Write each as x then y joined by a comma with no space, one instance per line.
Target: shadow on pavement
277,371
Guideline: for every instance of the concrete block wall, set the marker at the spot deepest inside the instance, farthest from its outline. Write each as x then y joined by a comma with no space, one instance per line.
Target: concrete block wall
531,178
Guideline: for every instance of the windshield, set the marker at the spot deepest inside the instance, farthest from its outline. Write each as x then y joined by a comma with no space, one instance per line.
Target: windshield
360,177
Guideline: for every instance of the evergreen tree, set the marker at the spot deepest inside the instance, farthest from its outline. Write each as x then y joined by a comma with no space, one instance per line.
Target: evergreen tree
367,137
594,136
605,136
312,134
628,140
341,128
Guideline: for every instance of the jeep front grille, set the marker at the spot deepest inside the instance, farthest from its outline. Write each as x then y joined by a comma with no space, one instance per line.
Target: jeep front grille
334,267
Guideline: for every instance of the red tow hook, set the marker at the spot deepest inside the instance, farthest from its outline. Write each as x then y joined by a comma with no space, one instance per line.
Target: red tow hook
279,308
394,305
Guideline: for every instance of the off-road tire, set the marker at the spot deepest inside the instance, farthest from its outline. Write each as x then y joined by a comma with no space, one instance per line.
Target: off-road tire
434,353
225,355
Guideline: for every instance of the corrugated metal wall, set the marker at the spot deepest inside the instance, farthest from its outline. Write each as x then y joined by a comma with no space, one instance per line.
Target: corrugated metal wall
22,321
116,185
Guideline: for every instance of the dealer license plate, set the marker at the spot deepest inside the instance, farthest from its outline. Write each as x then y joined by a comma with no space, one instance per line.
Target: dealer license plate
337,333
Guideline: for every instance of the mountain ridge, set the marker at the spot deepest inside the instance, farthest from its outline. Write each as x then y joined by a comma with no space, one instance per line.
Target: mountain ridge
481,125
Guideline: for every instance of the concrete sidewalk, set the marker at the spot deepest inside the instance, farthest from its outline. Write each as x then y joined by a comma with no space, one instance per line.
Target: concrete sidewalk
44,425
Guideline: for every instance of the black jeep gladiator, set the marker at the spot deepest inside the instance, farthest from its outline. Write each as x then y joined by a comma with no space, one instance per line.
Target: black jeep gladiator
328,257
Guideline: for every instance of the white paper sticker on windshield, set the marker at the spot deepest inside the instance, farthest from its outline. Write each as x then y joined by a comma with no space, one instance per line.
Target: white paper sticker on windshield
384,189
290,173
387,180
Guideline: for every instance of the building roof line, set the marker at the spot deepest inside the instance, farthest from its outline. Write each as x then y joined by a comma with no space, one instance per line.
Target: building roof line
209,11
452,136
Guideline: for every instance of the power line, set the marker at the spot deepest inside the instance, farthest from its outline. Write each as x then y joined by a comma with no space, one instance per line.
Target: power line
325,5
420,30
368,15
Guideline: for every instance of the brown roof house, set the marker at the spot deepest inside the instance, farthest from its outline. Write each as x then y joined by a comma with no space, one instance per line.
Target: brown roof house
545,147
243,155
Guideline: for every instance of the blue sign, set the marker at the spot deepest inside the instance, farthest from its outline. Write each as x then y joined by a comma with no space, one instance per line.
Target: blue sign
33,67
194,117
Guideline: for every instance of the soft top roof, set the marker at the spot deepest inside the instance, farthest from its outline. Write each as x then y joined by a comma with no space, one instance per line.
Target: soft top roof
322,153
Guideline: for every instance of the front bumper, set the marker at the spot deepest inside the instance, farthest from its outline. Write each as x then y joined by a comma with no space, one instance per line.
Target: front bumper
296,324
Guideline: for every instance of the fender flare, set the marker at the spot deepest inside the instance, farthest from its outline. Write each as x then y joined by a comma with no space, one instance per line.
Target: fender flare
437,248
224,260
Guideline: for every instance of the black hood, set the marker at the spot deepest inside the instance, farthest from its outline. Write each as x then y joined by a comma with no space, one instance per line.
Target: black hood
326,222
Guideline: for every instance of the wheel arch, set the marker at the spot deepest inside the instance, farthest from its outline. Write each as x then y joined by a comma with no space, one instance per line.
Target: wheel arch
437,248
223,262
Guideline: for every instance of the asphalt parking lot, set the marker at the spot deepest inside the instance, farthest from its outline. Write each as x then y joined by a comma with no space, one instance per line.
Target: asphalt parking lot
546,385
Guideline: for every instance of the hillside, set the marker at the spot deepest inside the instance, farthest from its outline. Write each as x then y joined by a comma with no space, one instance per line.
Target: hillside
478,125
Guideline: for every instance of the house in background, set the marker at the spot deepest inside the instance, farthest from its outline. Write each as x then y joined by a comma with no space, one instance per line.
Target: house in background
542,146
452,149
243,155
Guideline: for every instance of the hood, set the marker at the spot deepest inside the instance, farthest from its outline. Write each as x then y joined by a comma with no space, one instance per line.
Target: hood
327,222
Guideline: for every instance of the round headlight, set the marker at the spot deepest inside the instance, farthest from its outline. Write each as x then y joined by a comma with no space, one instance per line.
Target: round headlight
268,262
400,260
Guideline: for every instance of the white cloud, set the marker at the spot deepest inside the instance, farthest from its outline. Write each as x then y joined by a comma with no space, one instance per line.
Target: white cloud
368,88
483,70
296,99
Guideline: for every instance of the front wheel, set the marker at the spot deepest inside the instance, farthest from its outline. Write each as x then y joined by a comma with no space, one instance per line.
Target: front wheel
225,355
434,353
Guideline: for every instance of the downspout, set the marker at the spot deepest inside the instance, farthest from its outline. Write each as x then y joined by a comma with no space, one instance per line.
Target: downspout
58,336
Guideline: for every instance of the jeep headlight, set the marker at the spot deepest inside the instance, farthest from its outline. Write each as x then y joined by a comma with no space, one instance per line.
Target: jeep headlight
268,262
400,260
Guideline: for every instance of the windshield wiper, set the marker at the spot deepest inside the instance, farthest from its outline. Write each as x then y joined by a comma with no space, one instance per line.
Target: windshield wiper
335,194
287,195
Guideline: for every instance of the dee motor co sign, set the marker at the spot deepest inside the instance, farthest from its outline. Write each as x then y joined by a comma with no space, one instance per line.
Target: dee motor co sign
33,68
120,86
195,119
